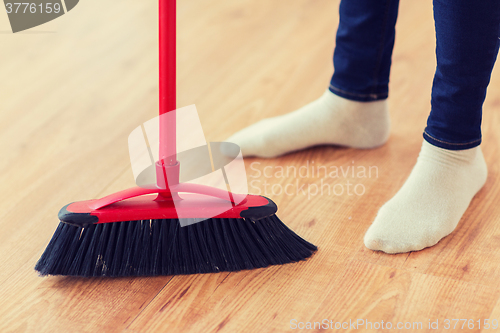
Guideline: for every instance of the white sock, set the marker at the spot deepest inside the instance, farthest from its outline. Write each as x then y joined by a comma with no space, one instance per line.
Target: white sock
431,202
328,120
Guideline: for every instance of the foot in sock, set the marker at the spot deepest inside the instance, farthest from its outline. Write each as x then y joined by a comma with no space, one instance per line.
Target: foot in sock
328,120
431,202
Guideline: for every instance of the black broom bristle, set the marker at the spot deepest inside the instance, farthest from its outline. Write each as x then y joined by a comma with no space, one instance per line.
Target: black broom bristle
163,247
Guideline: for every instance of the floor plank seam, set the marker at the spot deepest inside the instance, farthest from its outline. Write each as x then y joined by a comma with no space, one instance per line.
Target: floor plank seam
493,310
433,275
149,303
20,268
408,256
110,183
213,292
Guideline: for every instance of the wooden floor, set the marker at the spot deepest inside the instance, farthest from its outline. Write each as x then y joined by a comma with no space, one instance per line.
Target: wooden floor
72,90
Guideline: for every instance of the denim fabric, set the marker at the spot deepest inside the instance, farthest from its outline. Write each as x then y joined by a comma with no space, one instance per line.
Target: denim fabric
363,49
467,36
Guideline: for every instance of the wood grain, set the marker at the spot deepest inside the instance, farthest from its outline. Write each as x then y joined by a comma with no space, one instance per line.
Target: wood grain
72,90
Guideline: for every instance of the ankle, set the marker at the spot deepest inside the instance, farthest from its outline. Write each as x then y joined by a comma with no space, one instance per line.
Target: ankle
369,124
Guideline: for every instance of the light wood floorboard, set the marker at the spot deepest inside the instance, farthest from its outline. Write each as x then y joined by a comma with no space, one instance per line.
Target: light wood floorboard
72,90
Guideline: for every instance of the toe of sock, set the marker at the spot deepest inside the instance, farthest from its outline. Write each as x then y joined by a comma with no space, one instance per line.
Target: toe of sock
252,140
387,246
397,244
241,142
373,243
379,244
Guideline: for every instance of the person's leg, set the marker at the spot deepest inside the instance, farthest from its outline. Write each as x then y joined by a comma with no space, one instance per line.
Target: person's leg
353,111
450,169
363,49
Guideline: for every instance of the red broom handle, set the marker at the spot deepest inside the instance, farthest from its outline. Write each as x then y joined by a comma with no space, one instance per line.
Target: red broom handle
167,63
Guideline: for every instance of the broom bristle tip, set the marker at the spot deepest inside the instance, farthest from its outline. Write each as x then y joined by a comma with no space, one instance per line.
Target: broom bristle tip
163,247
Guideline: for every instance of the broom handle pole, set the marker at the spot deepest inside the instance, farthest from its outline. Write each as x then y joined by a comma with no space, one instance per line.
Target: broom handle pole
167,63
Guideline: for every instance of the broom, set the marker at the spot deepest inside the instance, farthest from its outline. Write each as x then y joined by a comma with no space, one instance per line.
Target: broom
140,231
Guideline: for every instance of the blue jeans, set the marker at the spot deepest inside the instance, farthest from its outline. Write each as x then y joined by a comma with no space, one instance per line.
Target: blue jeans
467,42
